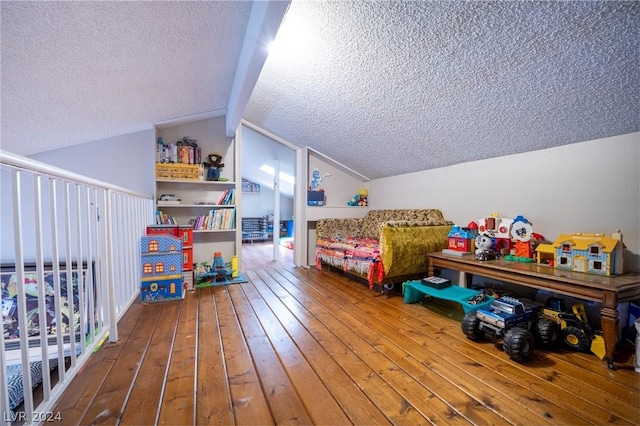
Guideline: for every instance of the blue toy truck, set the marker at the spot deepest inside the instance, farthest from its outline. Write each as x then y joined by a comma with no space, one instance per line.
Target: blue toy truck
515,322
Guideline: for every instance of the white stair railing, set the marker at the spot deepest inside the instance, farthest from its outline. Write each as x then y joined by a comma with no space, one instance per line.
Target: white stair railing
69,248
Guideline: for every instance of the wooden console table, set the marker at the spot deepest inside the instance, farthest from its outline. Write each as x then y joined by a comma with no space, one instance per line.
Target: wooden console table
609,291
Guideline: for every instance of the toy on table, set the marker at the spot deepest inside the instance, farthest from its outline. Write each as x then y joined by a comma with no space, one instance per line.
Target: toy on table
498,228
545,254
360,199
483,245
460,241
522,232
590,253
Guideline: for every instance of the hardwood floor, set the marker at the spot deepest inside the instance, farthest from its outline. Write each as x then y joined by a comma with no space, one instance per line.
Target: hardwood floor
302,346
259,255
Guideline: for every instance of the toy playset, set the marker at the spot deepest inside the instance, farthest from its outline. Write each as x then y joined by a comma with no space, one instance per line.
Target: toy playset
218,272
161,268
521,232
185,233
590,253
498,228
460,241
513,239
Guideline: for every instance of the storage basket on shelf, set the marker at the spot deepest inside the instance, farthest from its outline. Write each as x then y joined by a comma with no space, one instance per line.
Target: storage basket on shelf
178,171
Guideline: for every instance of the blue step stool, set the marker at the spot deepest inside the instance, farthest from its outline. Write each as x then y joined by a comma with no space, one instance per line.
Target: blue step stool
414,292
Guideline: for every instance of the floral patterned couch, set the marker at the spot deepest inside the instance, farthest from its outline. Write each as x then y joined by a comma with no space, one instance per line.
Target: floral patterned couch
385,246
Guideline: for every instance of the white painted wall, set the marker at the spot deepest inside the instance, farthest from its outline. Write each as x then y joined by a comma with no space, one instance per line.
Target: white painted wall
592,187
339,187
127,161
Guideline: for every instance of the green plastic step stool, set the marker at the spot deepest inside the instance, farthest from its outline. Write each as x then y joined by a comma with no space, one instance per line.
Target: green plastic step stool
414,292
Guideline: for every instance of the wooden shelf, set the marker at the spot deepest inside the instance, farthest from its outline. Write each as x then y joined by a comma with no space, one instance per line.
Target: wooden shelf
205,231
198,182
210,206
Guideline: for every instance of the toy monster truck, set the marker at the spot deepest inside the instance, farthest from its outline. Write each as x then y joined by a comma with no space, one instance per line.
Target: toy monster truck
515,322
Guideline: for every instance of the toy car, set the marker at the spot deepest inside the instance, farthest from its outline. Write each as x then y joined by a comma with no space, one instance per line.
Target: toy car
169,197
483,245
515,322
575,331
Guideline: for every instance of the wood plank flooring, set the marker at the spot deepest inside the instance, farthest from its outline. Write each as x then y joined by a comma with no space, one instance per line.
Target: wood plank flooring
259,255
301,346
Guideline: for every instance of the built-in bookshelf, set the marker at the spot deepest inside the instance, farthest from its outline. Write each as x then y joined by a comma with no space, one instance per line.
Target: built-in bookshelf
184,189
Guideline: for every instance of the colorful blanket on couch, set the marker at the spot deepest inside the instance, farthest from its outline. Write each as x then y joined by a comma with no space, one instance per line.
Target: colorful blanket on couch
361,255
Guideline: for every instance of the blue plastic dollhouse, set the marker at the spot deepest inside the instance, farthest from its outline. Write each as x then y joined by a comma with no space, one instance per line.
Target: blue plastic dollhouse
161,268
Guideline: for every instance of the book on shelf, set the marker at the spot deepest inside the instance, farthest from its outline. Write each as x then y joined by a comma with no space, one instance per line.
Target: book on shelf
164,219
168,202
227,198
215,220
185,151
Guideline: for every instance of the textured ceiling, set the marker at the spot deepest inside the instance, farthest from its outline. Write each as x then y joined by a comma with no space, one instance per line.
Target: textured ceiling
385,87
393,87
74,72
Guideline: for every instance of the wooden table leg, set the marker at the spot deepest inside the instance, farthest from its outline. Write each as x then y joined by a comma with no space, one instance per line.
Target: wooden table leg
433,271
609,319
468,279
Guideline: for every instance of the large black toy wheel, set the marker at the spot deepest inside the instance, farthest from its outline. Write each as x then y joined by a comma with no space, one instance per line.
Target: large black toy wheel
546,332
471,326
576,339
518,344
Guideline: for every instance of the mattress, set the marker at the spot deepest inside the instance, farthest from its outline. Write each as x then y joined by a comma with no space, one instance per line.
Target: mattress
16,384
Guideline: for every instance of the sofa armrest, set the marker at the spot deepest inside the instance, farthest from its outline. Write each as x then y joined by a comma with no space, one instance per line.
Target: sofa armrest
404,247
416,223
338,228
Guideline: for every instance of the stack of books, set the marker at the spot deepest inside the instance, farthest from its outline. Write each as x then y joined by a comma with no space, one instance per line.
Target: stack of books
215,220
164,219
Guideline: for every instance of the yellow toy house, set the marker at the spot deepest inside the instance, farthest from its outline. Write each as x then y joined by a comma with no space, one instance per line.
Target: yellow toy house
590,253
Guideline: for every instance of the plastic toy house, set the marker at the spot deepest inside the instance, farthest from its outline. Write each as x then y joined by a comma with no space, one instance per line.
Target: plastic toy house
499,228
161,268
590,253
545,254
460,241
185,233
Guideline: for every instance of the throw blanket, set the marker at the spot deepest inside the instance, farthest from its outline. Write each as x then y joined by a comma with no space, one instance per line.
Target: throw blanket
361,255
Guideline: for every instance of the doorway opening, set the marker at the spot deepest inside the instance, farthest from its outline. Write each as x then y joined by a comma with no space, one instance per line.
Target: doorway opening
268,199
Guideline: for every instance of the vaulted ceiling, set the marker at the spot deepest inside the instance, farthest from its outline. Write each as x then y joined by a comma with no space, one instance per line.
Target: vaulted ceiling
385,87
